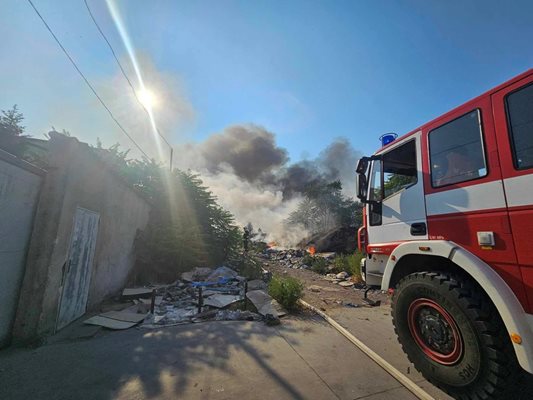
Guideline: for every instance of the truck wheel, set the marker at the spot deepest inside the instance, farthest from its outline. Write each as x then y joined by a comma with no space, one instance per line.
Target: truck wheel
454,336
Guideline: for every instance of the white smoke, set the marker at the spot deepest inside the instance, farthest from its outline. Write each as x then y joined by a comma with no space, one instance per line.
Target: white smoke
251,177
264,207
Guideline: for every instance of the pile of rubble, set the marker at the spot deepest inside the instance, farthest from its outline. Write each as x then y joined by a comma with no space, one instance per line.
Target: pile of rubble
343,279
290,258
296,259
200,295
293,258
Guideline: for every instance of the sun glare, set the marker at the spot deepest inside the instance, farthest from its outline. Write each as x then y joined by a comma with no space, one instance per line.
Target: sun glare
147,98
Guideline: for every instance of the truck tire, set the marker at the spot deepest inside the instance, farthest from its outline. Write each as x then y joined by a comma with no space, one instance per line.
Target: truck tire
454,336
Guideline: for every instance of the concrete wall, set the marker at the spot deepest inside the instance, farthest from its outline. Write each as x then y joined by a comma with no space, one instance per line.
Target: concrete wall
77,178
19,192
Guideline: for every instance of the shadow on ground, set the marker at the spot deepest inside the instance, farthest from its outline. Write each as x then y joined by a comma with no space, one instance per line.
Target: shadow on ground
149,363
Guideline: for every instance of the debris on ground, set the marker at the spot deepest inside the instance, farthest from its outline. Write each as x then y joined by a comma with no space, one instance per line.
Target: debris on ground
202,294
265,304
299,259
222,274
116,319
257,284
236,315
197,274
135,293
328,291
352,305
221,300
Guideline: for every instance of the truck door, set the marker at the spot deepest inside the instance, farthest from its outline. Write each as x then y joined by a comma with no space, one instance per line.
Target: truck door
513,118
401,214
465,197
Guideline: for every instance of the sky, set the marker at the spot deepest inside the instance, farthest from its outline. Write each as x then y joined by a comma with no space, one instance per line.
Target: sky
308,71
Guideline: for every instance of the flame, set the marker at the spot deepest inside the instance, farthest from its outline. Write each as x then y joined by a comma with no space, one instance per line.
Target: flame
311,250
271,244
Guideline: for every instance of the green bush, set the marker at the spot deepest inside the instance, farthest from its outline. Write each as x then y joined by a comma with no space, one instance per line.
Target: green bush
350,263
247,266
308,259
286,290
319,265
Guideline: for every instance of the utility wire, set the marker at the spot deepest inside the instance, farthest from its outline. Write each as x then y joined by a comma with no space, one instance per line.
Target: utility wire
122,69
87,81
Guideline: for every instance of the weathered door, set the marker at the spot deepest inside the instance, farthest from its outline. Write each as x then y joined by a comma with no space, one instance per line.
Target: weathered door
78,268
19,191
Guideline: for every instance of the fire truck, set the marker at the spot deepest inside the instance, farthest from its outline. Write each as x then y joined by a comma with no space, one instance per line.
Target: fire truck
448,230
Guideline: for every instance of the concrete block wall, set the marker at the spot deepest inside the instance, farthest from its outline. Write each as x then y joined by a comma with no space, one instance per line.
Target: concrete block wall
77,178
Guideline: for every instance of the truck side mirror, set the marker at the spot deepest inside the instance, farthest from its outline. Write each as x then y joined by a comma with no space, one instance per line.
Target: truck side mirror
362,165
362,181
362,187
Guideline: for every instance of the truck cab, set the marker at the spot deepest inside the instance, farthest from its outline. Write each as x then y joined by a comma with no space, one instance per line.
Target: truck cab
447,224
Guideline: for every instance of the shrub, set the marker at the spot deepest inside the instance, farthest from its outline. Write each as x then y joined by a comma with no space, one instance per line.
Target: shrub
350,263
308,259
286,290
247,266
319,265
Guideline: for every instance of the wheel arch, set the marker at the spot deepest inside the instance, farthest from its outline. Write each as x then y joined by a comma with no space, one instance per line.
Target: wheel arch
447,256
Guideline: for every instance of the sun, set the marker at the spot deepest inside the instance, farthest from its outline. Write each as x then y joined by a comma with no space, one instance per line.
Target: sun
147,98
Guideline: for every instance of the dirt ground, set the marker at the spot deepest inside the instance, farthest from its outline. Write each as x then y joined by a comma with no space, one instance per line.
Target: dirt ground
324,294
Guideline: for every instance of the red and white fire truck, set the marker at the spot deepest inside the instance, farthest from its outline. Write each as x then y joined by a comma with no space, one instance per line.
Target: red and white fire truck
448,229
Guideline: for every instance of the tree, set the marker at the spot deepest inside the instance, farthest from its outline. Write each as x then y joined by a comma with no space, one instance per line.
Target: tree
12,131
324,207
187,227
10,122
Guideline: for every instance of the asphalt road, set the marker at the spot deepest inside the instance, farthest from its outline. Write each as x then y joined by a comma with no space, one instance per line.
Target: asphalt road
304,358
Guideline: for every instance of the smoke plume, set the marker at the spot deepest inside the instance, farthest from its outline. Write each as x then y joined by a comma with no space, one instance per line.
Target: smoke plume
252,177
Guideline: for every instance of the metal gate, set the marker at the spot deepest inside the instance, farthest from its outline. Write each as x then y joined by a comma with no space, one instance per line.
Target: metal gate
19,191
77,276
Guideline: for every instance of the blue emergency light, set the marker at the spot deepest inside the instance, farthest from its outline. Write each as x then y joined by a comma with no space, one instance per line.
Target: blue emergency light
387,138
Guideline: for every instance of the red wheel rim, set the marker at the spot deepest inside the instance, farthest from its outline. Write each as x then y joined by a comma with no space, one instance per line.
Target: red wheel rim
435,331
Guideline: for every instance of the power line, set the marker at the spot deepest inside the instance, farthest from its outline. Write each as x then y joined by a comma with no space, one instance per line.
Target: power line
86,80
122,68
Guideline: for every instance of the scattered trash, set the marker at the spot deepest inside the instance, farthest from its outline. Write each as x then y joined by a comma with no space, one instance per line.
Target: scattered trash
314,288
352,305
158,300
221,300
116,319
257,284
265,304
202,294
342,275
292,258
223,273
197,274
236,315
137,292
346,284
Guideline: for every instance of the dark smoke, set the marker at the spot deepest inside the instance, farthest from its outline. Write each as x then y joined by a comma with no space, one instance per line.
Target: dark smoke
335,162
252,176
338,161
249,150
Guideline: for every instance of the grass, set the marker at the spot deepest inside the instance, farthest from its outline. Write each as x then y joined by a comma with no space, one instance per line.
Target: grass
286,290
350,263
317,264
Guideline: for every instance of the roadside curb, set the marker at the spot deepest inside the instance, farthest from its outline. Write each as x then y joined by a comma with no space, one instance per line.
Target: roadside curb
395,373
